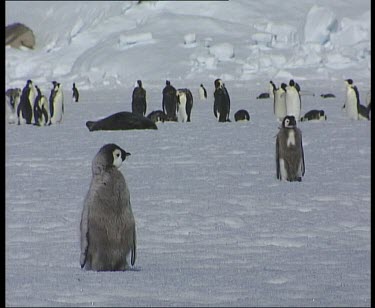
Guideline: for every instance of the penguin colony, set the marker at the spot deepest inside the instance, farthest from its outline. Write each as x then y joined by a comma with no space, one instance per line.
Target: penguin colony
107,227
30,106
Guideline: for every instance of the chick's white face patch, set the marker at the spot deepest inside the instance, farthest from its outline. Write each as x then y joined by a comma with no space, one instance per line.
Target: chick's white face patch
117,159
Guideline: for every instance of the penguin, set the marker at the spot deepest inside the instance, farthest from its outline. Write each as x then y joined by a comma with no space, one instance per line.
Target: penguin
242,115
221,101
157,116
25,108
121,121
57,104
12,99
139,104
353,107
271,89
327,95
202,92
75,95
279,102
314,114
290,161
293,100
169,102
107,227
41,110
184,104
263,95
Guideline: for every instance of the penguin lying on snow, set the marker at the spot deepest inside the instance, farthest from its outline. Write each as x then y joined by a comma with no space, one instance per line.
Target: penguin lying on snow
314,115
121,121
157,116
242,115
107,227
290,161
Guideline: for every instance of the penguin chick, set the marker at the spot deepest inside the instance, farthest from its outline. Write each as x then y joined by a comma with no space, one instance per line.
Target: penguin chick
290,162
107,223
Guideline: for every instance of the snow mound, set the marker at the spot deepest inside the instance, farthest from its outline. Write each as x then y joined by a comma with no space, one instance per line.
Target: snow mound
132,39
320,22
222,51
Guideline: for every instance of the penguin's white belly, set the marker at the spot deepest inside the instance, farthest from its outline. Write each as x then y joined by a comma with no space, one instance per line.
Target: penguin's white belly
283,171
57,109
351,106
293,105
182,115
280,107
201,94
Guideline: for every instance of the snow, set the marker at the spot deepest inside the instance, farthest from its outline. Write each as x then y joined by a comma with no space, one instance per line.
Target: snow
214,225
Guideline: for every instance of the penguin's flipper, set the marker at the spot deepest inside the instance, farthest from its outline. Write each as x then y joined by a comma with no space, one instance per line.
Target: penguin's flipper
303,160
84,234
278,175
134,248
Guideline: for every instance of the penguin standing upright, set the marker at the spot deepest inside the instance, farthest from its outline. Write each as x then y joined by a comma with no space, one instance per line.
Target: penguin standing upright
25,110
75,95
56,104
184,104
290,161
169,102
12,98
139,104
202,92
221,101
279,103
41,110
107,227
353,107
293,100
271,89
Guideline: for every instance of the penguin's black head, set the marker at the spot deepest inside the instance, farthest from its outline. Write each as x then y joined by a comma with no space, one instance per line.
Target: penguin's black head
283,86
218,83
291,82
114,155
349,81
289,122
167,82
139,82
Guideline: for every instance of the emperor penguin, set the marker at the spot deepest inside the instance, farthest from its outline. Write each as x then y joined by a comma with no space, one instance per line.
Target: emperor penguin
293,100
169,102
279,102
107,227
12,98
202,92
221,101
314,114
56,104
139,104
242,115
41,110
290,161
184,104
25,110
353,107
75,95
157,116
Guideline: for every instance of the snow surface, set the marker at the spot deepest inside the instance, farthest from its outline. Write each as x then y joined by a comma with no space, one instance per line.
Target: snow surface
214,226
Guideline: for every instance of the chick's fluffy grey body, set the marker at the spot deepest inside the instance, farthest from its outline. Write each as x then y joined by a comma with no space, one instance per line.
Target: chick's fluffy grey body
107,223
